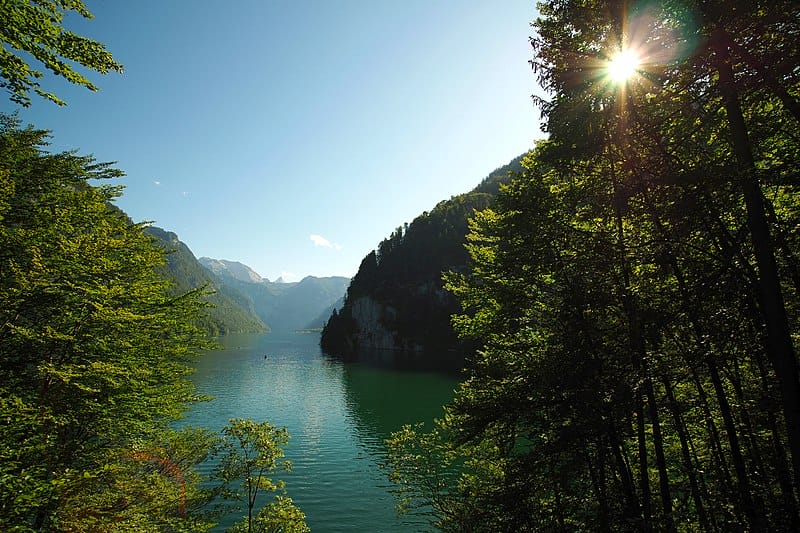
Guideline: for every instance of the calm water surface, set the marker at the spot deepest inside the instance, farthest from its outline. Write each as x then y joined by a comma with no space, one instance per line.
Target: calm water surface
338,414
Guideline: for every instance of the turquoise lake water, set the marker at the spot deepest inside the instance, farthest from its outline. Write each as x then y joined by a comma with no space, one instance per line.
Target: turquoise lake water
338,414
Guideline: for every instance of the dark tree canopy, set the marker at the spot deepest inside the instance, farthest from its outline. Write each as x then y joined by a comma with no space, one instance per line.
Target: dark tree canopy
635,291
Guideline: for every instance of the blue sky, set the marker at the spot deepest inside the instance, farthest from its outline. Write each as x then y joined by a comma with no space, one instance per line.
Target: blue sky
292,135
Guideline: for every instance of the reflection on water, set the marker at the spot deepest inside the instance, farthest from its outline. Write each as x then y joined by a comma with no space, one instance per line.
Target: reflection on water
338,414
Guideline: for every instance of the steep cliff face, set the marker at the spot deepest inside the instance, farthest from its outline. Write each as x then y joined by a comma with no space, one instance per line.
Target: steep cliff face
371,316
397,300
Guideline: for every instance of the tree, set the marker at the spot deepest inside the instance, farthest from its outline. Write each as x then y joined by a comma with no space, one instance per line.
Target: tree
629,378
149,484
94,349
250,452
34,28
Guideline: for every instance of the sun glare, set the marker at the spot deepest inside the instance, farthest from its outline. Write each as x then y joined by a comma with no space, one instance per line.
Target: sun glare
622,66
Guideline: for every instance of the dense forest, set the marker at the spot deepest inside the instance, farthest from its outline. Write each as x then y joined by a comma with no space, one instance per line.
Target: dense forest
400,284
632,294
635,289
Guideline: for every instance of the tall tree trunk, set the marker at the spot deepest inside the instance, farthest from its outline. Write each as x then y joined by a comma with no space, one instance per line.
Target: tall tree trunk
644,477
658,444
754,516
631,509
723,474
602,497
782,469
635,341
688,464
778,339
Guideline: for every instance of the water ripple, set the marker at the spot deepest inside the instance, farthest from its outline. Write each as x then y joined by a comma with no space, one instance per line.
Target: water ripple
339,416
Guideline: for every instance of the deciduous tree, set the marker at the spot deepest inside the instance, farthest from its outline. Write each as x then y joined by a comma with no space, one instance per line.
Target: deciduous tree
94,349
34,29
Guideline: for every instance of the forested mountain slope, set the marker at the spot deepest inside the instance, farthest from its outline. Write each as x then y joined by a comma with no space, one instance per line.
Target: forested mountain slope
396,301
284,306
231,312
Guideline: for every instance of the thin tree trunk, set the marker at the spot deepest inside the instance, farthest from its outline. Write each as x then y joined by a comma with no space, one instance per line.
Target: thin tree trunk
779,341
632,510
782,469
689,467
602,497
754,517
644,478
634,333
658,444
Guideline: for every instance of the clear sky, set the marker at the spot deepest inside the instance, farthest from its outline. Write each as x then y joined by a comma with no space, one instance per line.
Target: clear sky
295,135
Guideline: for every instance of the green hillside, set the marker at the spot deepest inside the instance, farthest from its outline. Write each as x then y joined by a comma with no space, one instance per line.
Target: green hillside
230,310
396,301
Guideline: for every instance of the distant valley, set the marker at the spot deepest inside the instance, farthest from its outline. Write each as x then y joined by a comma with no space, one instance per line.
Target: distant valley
242,300
305,304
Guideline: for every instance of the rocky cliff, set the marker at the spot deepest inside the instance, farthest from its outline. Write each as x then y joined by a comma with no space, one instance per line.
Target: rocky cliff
397,300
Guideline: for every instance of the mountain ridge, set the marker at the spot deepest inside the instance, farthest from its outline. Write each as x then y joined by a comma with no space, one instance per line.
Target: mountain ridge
397,301
221,267
230,312
285,306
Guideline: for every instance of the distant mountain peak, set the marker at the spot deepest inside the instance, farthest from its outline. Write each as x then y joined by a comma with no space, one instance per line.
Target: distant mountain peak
230,310
231,269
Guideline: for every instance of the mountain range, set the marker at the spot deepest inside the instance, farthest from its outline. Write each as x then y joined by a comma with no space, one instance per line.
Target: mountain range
231,269
283,306
241,300
395,302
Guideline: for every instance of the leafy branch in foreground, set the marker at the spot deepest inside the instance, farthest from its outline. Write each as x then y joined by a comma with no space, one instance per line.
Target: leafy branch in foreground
34,28
250,452
95,352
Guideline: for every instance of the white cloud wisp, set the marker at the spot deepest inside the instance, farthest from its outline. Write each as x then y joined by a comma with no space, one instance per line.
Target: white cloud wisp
322,242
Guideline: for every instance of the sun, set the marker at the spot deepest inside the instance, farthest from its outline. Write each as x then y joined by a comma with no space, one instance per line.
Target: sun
623,65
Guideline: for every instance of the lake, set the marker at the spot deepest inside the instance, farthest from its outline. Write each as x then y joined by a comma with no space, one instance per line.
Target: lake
338,415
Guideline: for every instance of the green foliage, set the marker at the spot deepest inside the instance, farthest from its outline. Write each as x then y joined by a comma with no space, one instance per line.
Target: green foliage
278,516
33,28
404,275
631,375
150,485
250,452
228,310
94,350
